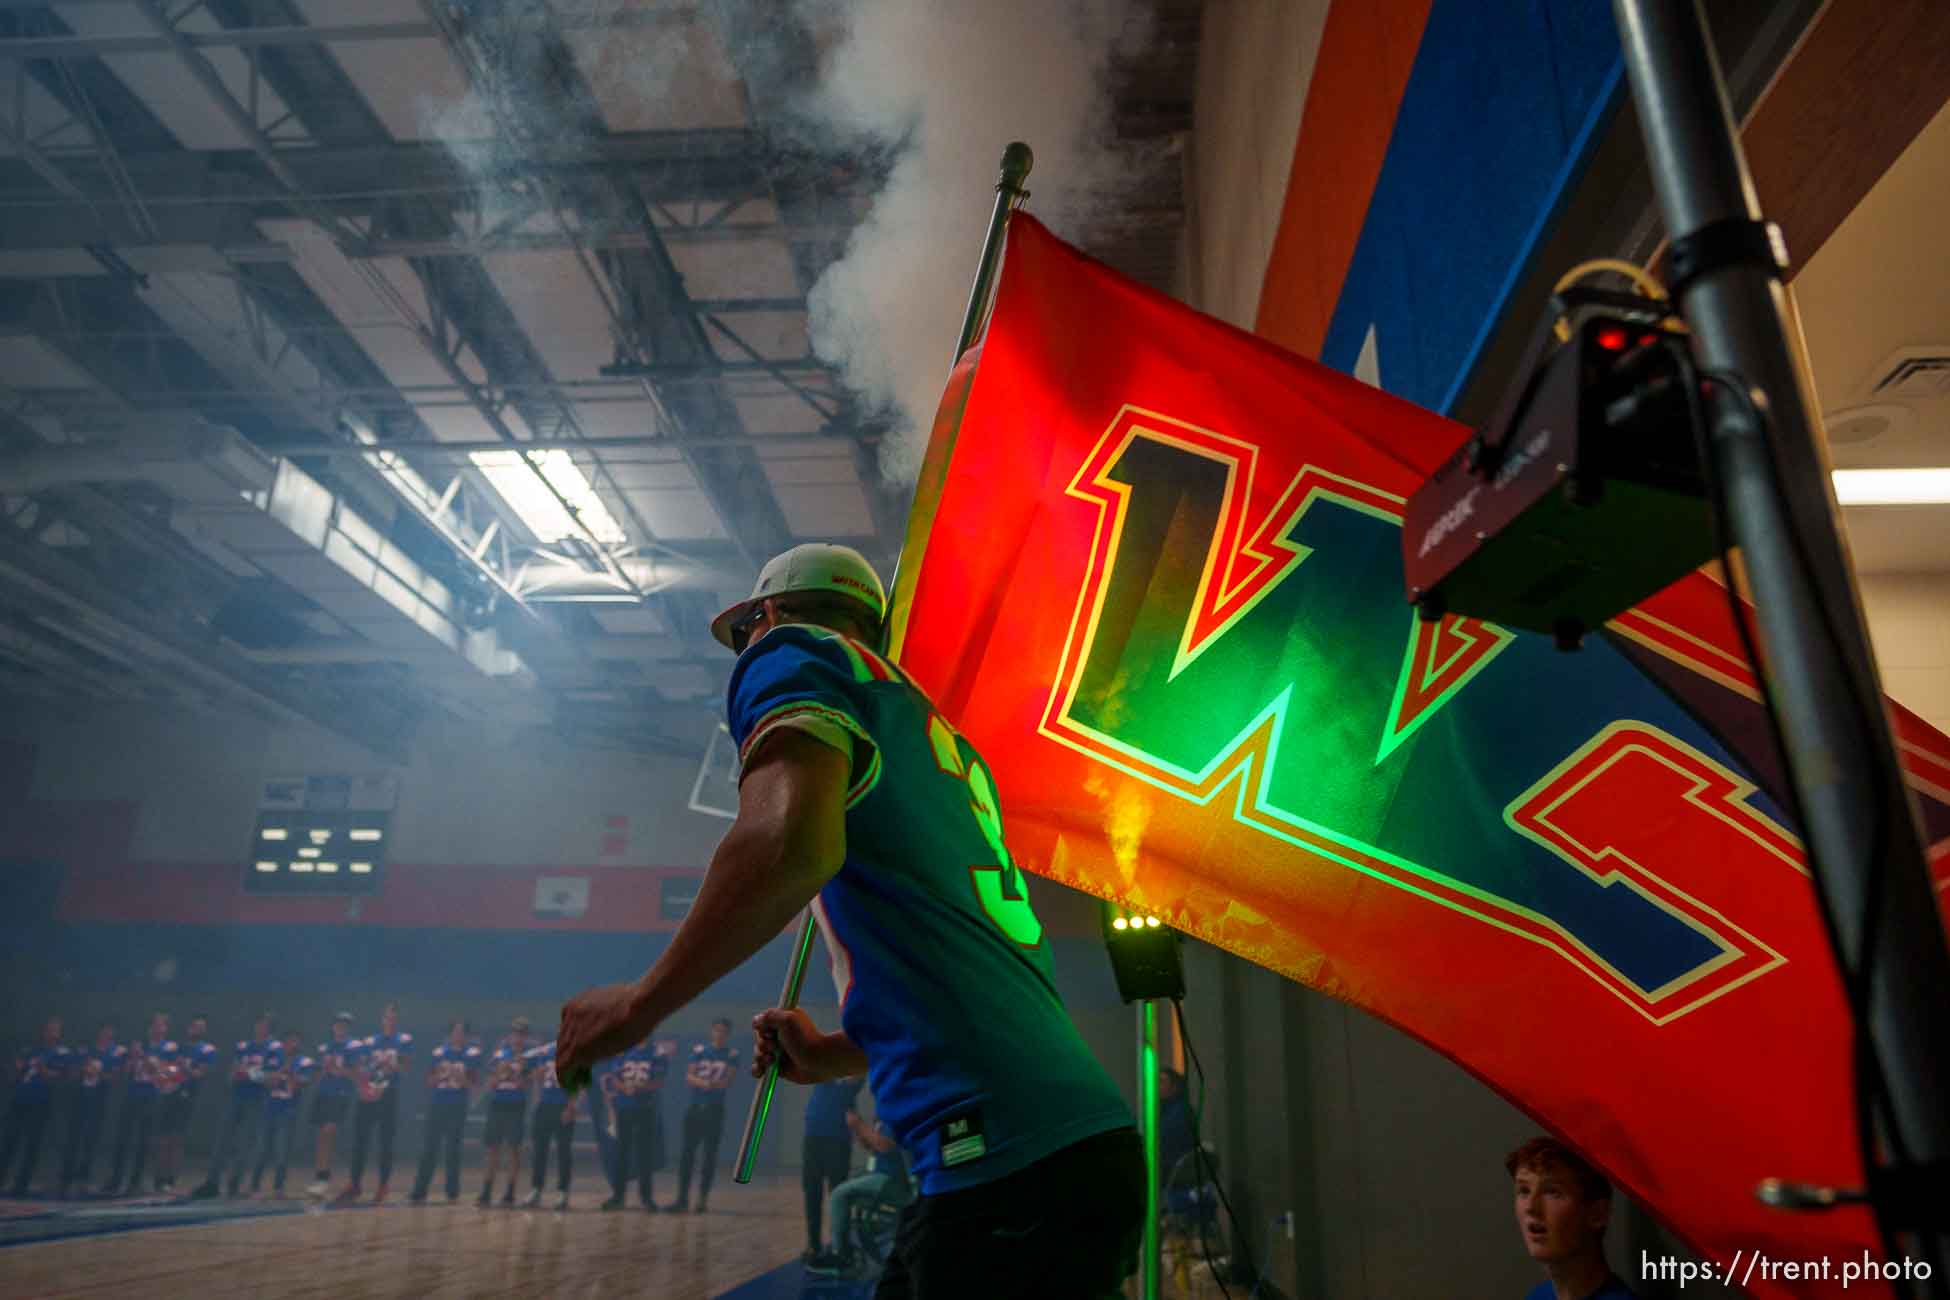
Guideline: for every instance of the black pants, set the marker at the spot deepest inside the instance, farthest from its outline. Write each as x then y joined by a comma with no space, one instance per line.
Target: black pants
824,1163
132,1133
26,1124
1066,1228
639,1149
550,1126
85,1119
381,1116
274,1152
445,1120
703,1126
241,1120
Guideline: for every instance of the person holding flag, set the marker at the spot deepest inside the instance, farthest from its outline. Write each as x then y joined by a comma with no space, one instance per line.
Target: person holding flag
453,1068
287,1072
858,798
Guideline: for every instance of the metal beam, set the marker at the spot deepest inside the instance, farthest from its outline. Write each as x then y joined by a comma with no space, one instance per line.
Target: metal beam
77,46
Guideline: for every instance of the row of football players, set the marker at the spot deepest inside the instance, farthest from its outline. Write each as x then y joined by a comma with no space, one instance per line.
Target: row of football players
359,1079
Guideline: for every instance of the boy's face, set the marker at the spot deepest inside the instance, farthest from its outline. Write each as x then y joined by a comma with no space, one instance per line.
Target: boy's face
720,1035
1555,1218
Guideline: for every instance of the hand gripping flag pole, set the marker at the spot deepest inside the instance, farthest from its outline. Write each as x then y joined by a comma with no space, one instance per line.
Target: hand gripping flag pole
1016,162
795,976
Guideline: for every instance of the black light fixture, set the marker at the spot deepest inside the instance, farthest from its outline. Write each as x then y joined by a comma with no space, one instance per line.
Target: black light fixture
1144,954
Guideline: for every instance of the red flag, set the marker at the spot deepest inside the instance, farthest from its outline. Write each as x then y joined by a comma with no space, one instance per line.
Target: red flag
1162,593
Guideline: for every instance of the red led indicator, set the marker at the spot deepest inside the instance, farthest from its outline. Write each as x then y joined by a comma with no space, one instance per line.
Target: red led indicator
1612,339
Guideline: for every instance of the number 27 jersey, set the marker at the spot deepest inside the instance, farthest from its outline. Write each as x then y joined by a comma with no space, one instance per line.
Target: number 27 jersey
943,972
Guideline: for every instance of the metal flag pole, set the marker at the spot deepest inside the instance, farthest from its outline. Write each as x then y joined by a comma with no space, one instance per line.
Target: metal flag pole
1863,842
1147,1063
795,977
1017,159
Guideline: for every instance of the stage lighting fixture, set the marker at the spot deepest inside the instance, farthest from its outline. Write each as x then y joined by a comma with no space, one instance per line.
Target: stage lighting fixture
1144,955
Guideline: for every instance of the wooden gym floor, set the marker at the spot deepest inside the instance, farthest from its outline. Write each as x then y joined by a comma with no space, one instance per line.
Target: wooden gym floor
437,1250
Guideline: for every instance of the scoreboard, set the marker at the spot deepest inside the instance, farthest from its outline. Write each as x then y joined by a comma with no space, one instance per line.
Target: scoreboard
321,835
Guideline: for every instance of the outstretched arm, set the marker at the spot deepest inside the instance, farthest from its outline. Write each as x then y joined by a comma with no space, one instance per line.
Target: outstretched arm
789,839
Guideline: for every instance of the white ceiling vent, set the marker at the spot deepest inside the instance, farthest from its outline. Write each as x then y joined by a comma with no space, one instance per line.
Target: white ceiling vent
1912,373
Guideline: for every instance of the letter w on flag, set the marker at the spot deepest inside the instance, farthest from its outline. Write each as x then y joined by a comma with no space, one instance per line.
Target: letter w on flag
1160,589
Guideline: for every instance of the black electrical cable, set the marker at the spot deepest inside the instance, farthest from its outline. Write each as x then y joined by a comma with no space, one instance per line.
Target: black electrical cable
1201,1168
1871,1085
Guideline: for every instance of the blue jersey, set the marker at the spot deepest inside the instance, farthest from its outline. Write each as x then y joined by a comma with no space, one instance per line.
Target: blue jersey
828,1107
942,969
380,1058
454,1068
335,1066
199,1055
247,1066
286,1075
97,1068
37,1069
635,1078
708,1070
1613,1289
508,1075
541,1064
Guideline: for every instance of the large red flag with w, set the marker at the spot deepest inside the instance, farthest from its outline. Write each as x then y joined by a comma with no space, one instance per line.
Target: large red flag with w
1161,591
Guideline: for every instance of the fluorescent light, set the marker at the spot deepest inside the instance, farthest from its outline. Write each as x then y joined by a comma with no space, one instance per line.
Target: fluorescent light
276,833
301,865
1892,487
365,835
362,868
519,480
310,853
319,837
328,866
267,866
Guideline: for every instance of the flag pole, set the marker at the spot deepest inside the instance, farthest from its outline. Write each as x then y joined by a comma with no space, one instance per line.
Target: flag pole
1017,159
795,977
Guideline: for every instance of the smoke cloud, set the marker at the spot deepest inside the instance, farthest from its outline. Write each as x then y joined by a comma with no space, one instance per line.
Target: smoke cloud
951,82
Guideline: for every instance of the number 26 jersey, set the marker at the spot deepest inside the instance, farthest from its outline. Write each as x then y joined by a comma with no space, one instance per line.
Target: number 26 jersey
943,972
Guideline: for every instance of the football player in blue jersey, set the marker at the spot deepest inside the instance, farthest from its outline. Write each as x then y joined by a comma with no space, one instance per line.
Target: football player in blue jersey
151,1062
36,1072
712,1067
97,1070
332,1098
856,796
826,1150
555,1125
245,1112
507,1109
453,1068
376,1062
632,1087
287,1072
180,1087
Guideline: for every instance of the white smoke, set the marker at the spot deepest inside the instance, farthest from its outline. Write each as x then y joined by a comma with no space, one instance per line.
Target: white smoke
953,82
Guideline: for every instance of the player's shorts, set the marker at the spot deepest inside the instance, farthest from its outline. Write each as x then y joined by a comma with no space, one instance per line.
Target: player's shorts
504,1123
173,1115
329,1108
